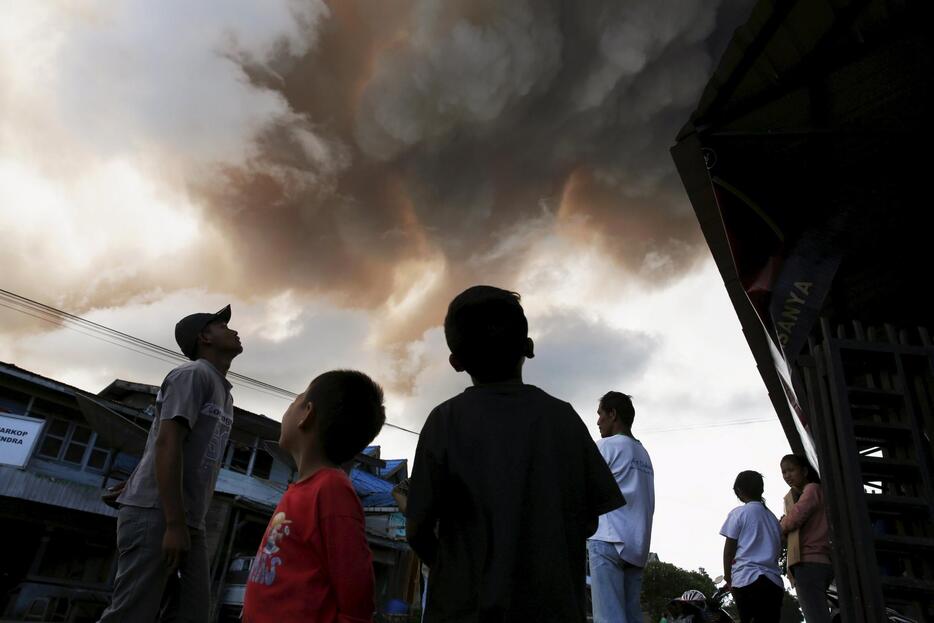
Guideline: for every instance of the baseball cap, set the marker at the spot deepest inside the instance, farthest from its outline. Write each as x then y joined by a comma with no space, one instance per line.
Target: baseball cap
188,328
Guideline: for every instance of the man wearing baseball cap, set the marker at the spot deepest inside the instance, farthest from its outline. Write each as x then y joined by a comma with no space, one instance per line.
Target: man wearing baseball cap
160,524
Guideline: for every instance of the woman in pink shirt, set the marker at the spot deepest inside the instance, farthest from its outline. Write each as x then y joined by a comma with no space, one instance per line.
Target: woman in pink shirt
805,528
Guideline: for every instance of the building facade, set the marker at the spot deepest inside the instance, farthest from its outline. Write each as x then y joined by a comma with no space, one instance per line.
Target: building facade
60,447
804,163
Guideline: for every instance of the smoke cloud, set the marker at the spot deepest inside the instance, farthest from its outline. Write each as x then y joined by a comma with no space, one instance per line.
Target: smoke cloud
431,135
383,155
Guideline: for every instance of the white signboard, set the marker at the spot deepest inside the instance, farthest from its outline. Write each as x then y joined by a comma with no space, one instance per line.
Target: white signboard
18,436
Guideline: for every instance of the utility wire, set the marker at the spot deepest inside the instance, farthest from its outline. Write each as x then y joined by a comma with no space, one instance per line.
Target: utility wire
52,315
699,426
155,348
59,323
121,340
89,328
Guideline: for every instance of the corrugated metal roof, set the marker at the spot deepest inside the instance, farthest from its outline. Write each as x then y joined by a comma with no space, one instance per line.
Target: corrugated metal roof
119,386
38,379
263,492
244,417
26,485
373,490
69,390
393,466
113,429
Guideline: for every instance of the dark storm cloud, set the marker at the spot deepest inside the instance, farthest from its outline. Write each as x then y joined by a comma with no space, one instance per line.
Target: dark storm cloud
382,155
424,127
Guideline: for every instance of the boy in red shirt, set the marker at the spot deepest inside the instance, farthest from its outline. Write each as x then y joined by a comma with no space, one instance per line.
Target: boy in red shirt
314,563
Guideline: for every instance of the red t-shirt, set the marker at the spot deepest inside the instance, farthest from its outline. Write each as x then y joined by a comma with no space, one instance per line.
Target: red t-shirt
314,563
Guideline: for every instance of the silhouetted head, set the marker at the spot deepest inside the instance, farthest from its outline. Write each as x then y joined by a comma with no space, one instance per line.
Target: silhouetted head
488,334
749,486
615,414
339,414
206,335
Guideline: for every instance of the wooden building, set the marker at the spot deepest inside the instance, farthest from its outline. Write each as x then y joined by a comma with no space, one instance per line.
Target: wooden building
806,163
61,446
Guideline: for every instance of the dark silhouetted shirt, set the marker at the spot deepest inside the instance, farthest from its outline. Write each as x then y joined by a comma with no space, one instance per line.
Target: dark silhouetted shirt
507,486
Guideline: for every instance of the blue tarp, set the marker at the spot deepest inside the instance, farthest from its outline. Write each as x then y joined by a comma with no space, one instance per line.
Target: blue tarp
373,490
391,466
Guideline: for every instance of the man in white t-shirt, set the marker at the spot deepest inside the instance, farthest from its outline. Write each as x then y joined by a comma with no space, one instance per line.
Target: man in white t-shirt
620,546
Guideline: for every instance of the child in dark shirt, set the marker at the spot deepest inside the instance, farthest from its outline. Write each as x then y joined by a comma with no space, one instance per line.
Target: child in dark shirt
314,563
507,483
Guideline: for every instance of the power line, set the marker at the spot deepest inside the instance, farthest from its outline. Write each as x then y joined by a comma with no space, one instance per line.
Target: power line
700,426
102,333
89,328
59,323
172,355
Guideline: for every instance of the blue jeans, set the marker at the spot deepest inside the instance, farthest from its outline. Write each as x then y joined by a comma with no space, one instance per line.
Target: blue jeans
615,585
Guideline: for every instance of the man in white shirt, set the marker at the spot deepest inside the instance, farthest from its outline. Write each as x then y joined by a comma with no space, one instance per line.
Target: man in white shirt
619,548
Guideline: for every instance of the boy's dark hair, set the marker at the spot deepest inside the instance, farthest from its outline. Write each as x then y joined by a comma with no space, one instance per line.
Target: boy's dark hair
750,484
800,461
486,330
622,404
349,412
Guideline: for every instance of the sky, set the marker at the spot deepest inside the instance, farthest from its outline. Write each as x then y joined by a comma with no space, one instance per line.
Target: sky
338,171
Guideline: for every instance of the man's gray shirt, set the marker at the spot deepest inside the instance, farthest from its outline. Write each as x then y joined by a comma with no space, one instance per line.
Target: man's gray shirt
197,395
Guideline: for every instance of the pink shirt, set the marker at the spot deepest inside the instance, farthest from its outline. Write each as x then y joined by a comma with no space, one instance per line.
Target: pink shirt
808,517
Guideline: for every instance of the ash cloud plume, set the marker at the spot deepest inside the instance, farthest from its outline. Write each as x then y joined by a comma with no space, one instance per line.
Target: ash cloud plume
439,128
387,154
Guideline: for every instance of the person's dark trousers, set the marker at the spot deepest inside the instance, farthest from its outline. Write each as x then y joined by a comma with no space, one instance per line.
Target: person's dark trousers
142,577
812,579
759,602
